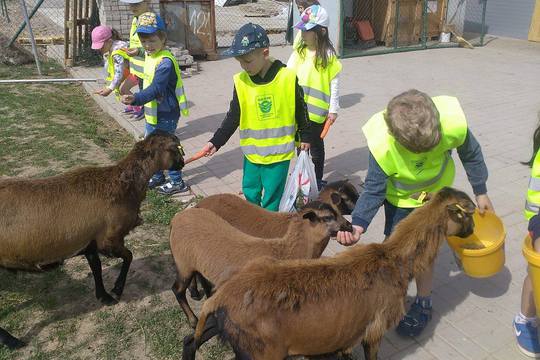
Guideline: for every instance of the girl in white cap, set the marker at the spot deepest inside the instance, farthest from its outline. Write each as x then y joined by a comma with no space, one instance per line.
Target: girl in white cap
317,68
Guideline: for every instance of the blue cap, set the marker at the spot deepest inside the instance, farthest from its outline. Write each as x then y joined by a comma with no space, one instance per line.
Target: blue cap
248,38
149,23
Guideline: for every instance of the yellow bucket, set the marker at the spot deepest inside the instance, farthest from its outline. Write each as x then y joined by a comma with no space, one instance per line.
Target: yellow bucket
481,254
533,258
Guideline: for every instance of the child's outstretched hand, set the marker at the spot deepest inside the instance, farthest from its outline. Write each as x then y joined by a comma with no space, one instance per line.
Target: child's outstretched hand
132,52
128,99
103,92
209,149
484,203
331,118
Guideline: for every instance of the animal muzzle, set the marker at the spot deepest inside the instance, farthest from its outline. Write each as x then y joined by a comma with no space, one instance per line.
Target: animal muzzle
178,162
344,226
466,231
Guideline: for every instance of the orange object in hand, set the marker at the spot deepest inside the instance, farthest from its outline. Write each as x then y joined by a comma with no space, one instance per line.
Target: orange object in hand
197,156
325,129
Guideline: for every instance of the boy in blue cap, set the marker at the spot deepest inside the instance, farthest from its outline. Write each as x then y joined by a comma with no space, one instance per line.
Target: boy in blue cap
163,93
268,107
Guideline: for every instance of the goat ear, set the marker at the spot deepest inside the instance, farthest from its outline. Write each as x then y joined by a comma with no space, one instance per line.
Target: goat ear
457,212
422,196
336,198
310,215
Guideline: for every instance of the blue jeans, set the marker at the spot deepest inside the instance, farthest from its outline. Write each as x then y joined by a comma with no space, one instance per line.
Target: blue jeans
393,215
170,127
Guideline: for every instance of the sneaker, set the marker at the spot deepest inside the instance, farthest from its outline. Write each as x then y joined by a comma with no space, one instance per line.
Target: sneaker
171,188
415,321
137,116
527,338
154,183
128,109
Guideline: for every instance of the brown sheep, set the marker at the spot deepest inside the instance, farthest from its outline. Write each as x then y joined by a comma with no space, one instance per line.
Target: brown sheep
273,309
342,195
256,221
85,211
205,244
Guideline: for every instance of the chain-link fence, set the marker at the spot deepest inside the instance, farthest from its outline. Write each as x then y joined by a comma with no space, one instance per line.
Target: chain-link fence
53,26
272,15
385,26
46,20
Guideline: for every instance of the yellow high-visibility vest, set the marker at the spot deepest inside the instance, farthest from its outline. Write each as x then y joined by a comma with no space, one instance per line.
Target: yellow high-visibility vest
150,64
267,117
532,204
315,82
409,172
110,66
136,63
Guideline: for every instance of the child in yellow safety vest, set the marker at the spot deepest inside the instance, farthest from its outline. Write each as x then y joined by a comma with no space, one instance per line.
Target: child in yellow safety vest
410,145
163,94
317,68
136,53
526,322
107,41
268,107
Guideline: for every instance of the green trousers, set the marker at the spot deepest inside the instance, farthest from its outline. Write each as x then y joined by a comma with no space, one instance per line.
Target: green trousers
263,185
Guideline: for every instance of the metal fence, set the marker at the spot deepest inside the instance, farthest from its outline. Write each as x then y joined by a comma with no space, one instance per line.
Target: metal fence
53,25
386,26
272,15
47,23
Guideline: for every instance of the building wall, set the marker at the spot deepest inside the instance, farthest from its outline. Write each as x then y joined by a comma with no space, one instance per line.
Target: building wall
510,18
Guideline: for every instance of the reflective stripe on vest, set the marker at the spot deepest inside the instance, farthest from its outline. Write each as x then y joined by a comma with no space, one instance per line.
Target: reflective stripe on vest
150,65
410,172
267,133
267,117
315,83
136,63
532,204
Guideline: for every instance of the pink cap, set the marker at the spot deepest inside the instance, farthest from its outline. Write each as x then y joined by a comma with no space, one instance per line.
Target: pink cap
100,34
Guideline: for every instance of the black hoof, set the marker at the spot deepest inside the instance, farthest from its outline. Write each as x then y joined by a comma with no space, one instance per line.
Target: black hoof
107,299
11,342
195,294
117,291
188,353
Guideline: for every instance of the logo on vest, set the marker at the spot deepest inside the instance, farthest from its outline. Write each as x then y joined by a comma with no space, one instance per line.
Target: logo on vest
265,106
419,165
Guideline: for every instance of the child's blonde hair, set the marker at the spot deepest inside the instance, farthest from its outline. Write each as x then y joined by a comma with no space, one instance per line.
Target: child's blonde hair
413,120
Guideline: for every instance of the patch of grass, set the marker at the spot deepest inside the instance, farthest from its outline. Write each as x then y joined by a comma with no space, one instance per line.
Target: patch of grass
160,209
53,127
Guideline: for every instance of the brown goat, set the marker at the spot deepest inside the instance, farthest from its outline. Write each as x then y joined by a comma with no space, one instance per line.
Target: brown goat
203,243
256,221
273,309
85,211
342,195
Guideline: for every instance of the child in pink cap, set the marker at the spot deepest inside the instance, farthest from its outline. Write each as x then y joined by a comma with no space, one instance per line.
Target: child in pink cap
107,41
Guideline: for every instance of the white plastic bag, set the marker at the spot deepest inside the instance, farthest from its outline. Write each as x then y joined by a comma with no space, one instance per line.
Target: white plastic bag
301,186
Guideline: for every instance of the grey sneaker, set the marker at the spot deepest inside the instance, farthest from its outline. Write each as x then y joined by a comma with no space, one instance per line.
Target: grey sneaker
171,188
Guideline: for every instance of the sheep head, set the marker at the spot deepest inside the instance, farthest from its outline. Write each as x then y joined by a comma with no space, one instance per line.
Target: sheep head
342,195
458,206
319,212
165,150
